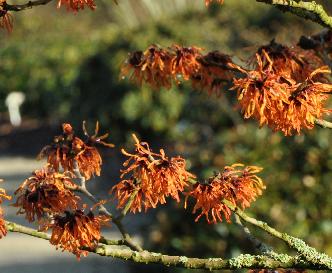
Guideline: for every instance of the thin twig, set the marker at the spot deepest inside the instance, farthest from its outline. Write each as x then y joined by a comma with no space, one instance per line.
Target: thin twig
83,189
146,257
102,209
127,238
262,247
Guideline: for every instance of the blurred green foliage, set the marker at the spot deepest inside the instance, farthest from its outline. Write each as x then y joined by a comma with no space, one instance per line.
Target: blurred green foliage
68,65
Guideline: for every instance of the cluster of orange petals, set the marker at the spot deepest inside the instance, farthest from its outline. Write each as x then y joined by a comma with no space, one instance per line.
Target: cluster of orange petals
151,178
67,150
48,196
76,5
284,91
161,67
46,192
237,184
6,19
75,231
3,230
289,62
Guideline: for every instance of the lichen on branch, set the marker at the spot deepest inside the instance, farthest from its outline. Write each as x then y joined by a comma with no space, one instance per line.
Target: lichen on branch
307,10
111,248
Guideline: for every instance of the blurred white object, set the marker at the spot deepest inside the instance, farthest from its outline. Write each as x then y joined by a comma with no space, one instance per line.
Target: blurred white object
13,102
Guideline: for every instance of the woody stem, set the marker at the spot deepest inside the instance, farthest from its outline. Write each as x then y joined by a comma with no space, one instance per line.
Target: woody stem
127,238
243,261
310,254
323,123
83,189
28,5
14,227
309,10
262,247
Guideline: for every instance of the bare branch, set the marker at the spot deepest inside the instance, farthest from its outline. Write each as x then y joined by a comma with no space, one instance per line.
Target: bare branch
310,254
262,247
308,10
28,5
14,227
146,257
323,123
117,221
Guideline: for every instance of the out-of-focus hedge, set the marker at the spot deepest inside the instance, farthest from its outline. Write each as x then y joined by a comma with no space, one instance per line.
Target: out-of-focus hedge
69,69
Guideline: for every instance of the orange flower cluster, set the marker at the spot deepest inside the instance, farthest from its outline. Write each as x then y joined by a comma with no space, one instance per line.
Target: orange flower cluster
161,67
217,69
67,150
46,193
152,178
76,5
75,231
236,184
151,66
291,63
284,91
287,88
3,230
6,19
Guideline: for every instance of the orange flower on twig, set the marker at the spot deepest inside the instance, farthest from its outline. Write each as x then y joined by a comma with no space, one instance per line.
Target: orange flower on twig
161,67
261,93
76,231
216,70
3,230
278,100
291,62
46,192
305,105
152,178
184,63
236,184
151,66
130,188
68,149
208,200
76,5
6,19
